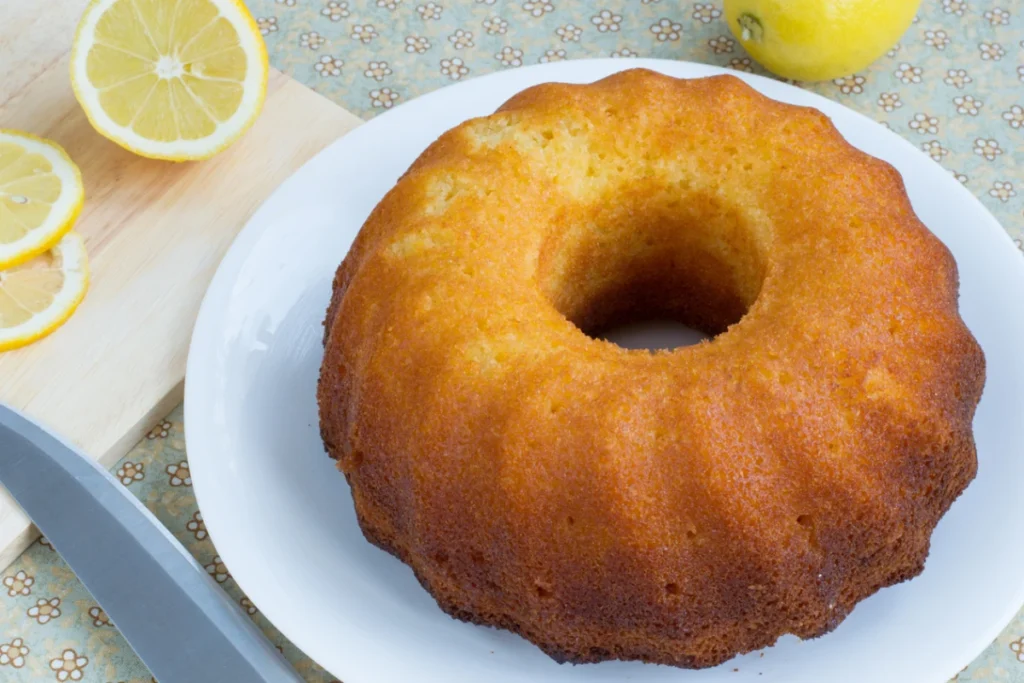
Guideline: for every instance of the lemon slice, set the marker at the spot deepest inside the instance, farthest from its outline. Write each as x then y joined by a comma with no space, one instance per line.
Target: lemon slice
40,195
170,79
38,296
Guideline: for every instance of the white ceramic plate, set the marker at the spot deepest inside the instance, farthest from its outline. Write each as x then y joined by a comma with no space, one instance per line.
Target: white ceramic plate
282,517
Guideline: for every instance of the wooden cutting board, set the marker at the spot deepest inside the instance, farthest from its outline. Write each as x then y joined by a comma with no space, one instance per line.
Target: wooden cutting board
155,232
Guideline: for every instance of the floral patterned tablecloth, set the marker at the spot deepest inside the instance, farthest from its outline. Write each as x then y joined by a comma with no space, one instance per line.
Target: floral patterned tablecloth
954,86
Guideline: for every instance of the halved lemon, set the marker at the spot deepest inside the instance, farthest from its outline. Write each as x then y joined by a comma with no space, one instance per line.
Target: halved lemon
170,79
38,296
40,195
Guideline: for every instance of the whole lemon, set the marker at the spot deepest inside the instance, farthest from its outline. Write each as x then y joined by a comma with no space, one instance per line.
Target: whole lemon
815,40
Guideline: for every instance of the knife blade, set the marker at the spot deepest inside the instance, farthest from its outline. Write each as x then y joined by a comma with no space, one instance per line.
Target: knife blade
179,622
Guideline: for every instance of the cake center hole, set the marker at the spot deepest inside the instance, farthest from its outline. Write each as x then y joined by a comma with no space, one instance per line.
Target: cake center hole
653,335
656,274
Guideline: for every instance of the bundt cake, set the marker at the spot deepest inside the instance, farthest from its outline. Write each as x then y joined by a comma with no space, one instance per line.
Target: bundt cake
678,506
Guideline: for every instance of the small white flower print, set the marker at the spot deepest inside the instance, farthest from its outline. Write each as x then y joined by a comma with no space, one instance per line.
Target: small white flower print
889,101
741,64
130,472
13,653
510,56
570,33
286,3
454,68
1014,116
666,29
197,526
997,16
538,8
44,610
705,12
957,7
606,21
43,541
69,666
991,51
99,617
1002,190
218,570
924,123
958,78
326,66
495,26
390,5
160,431
1020,73
850,85
893,50
967,104
19,583
960,177
934,149
364,33
552,56
648,2
335,11
377,71
267,25
311,40
624,53
383,98
908,73
937,38
721,44
245,602
417,44
987,148
179,475
461,39
430,11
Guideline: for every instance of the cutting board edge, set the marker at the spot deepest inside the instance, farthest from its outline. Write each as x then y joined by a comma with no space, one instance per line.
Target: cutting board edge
21,541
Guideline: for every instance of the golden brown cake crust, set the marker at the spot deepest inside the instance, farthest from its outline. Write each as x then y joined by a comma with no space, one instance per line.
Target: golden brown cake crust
674,507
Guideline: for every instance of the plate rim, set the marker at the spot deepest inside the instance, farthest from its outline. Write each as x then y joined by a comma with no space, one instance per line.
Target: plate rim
242,246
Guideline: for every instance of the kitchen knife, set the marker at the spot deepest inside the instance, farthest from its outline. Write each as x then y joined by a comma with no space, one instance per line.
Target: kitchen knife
179,622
